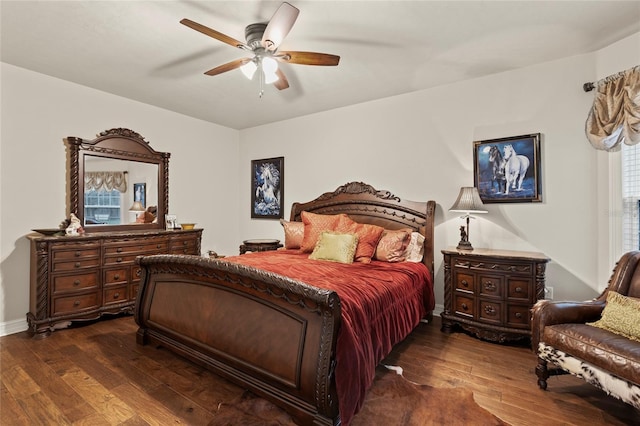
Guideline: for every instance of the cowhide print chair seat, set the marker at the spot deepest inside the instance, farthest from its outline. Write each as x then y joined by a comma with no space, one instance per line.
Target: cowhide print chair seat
596,340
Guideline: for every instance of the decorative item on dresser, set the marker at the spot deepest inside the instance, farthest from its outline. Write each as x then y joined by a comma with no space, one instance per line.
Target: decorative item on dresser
91,271
468,202
490,292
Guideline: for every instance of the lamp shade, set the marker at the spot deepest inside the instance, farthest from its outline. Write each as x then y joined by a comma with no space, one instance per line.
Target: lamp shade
136,207
468,201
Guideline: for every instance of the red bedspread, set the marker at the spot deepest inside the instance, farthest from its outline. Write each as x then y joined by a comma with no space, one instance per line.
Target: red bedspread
381,304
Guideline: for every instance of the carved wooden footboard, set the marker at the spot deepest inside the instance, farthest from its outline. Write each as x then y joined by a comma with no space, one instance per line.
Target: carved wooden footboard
274,335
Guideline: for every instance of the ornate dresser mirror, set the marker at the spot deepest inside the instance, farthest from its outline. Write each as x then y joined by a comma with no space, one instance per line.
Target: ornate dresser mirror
117,182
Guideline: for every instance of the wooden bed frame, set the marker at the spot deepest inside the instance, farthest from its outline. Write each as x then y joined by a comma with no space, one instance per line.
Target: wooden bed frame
271,334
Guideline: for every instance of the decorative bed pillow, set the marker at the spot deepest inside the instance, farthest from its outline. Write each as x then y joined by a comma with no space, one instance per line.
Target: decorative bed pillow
368,237
621,315
415,249
314,225
335,247
393,245
293,234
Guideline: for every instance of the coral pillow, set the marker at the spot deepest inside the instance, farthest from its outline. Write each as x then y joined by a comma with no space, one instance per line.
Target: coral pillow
368,237
335,247
293,234
621,315
393,245
314,225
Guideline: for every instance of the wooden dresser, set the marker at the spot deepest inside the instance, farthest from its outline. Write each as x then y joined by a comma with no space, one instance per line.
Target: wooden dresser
490,292
84,277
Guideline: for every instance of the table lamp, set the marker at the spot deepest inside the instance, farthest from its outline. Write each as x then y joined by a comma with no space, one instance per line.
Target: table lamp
468,202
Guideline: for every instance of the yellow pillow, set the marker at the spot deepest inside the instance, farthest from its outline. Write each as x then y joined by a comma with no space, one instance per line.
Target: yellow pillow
621,315
335,247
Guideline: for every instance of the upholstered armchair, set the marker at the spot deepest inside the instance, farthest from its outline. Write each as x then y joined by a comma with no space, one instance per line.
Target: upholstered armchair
597,340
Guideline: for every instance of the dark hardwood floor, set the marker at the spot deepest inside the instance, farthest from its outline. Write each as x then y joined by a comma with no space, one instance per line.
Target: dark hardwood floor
96,374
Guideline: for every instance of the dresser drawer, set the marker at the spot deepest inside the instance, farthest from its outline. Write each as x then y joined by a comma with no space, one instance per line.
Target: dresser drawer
116,276
75,303
124,259
77,252
491,286
115,295
75,282
76,265
146,247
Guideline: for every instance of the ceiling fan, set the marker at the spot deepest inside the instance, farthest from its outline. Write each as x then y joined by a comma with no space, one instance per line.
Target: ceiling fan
263,40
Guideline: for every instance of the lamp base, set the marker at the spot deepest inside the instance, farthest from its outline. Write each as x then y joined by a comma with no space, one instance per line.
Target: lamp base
464,245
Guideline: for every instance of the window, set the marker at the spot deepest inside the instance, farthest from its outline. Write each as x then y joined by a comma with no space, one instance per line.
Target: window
630,159
102,207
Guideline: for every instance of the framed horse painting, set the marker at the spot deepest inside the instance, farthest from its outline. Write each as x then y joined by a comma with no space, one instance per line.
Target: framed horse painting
507,170
267,188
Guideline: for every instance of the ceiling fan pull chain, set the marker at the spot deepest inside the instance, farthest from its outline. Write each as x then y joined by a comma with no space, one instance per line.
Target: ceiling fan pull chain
261,75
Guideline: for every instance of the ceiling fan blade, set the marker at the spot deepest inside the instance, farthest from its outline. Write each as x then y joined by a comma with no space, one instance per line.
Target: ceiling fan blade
282,82
308,58
228,66
279,26
213,33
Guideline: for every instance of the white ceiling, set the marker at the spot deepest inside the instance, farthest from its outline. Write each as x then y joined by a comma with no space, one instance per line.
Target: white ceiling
139,50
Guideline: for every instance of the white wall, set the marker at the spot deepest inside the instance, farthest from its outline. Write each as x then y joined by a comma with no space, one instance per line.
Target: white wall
419,146
39,111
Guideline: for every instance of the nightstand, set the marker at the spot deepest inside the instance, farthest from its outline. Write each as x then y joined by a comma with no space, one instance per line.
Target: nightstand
259,245
490,292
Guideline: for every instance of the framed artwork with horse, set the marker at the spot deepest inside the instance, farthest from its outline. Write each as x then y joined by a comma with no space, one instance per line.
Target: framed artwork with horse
507,170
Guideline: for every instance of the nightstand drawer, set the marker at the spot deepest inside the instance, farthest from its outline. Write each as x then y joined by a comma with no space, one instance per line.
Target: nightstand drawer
491,286
520,289
490,311
464,306
465,282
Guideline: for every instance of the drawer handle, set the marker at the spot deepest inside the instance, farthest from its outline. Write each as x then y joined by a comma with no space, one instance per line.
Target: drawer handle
185,243
489,310
518,315
76,282
76,303
158,246
489,285
464,283
464,306
518,289
77,264
116,295
116,277
138,271
119,250
119,260
78,254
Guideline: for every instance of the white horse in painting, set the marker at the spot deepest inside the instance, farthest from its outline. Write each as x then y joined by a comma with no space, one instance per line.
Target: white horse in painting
515,168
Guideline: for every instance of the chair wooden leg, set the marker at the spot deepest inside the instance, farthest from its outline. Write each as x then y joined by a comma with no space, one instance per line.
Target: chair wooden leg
543,373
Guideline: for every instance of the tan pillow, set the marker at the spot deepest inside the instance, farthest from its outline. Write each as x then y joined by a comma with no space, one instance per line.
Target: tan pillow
415,250
393,245
335,247
368,237
293,234
314,225
621,315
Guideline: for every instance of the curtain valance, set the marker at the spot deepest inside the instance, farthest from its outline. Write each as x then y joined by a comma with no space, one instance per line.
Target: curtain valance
615,115
107,181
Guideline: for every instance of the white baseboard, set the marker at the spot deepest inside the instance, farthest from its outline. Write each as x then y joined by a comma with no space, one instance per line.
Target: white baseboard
12,327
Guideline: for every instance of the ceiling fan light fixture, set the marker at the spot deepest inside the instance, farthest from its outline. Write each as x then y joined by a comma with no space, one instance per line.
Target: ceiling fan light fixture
269,65
270,77
249,69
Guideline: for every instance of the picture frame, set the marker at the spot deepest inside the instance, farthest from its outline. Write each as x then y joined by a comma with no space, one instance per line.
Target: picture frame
267,188
507,170
140,193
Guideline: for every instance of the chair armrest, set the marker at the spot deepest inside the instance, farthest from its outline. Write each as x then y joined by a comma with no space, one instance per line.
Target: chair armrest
547,312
